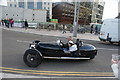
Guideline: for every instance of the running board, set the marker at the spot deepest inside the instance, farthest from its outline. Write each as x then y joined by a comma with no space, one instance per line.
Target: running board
66,57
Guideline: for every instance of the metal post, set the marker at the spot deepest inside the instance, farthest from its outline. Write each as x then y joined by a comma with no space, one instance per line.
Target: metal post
76,18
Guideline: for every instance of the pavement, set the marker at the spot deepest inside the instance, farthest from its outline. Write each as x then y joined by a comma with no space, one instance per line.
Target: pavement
86,36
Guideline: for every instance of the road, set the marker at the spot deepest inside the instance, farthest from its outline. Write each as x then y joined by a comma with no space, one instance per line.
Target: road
15,43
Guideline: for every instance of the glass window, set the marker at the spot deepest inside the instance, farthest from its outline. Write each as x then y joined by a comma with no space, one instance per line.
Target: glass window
39,5
48,8
48,3
44,7
31,5
15,5
10,5
21,4
44,2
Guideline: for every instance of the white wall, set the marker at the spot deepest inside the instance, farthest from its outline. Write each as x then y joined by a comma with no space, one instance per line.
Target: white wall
20,14
0,12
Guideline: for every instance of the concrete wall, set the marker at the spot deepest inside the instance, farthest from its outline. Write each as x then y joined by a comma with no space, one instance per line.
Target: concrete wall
22,14
0,12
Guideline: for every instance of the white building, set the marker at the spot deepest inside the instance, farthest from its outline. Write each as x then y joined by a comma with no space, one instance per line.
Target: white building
32,4
22,14
97,11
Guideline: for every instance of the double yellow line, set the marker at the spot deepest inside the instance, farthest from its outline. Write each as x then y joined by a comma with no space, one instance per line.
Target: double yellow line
57,73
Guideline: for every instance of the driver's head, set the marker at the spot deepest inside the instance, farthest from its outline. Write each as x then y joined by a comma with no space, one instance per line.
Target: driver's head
70,43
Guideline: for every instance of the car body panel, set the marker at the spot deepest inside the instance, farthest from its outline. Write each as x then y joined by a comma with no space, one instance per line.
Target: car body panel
54,50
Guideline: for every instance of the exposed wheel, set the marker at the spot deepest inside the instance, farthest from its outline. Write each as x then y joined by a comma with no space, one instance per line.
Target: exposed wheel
32,58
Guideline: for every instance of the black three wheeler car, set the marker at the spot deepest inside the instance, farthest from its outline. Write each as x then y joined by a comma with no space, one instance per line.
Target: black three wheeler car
39,50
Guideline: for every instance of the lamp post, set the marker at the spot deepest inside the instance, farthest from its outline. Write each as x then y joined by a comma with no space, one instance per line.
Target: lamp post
76,18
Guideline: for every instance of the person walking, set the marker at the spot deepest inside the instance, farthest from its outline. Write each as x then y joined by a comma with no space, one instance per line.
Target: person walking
64,29
11,22
3,21
91,29
26,24
39,26
96,30
7,23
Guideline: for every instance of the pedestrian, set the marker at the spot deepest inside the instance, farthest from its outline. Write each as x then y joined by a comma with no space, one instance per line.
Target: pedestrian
7,23
91,31
0,22
71,29
39,26
26,24
49,27
96,30
64,29
3,21
11,22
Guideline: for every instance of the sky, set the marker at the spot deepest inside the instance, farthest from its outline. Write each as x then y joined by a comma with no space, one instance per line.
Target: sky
110,9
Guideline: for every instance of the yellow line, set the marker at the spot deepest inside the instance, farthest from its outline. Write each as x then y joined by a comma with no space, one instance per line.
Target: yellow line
57,71
57,74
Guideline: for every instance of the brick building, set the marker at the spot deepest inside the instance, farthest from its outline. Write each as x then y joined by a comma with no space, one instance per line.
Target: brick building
64,12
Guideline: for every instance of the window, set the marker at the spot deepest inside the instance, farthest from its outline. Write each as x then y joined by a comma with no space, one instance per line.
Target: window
39,5
15,5
10,5
48,3
6,14
44,2
44,7
48,8
31,5
21,4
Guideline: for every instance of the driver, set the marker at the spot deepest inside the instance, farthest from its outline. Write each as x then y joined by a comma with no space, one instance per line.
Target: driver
72,48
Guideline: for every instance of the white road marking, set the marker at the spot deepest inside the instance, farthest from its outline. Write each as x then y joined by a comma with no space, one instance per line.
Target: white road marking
23,41
108,49
6,75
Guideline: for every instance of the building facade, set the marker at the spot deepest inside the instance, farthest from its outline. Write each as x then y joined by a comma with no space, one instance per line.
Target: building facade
97,11
32,4
19,14
64,12
90,12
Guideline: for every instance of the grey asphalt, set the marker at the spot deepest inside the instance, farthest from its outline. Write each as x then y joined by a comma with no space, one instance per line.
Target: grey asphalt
57,79
15,43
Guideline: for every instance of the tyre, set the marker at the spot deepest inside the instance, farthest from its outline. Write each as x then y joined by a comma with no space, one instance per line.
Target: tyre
32,58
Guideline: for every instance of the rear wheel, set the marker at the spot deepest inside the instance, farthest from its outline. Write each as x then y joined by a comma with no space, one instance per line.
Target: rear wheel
32,58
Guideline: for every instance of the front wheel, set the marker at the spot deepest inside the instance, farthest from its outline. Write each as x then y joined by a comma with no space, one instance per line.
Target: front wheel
32,58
